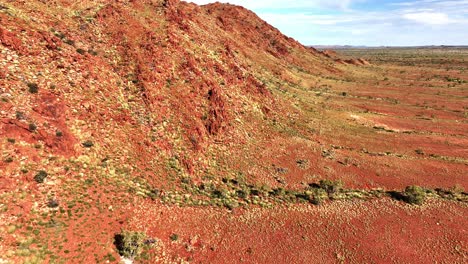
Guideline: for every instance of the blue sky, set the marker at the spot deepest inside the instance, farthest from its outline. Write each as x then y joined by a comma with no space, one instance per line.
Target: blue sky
365,22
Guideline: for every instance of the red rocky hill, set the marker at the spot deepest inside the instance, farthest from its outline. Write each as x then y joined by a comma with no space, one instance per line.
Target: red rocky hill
135,115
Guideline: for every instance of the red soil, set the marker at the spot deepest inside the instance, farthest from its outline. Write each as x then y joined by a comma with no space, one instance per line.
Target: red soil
360,232
137,97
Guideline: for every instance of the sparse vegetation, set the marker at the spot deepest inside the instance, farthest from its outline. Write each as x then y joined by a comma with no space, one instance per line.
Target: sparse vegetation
303,164
33,88
69,42
318,196
19,115
331,187
81,51
53,203
32,127
93,52
174,237
415,195
87,144
130,243
419,152
40,176
241,135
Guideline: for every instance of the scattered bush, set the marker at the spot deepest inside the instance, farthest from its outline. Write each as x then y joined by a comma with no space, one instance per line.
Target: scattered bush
129,243
414,195
70,42
281,170
174,237
457,189
154,193
87,144
331,187
33,88
59,133
40,176
81,51
419,152
52,203
32,127
92,52
455,193
303,164
318,196
19,115
11,140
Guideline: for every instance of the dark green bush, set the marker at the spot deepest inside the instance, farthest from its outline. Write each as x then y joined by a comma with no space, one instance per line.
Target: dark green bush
53,203
415,195
88,144
70,42
174,237
129,243
419,152
92,52
33,88
20,115
331,187
81,51
318,196
32,127
40,176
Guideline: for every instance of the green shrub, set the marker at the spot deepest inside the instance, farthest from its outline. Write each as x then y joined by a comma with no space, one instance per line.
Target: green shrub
318,196
70,42
92,52
331,187
415,195
33,88
32,127
457,189
81,51
53,203
88,144
129,243
40,176
174,237
19,115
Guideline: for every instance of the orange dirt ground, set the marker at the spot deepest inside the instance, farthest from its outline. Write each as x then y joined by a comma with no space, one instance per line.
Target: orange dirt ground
208,131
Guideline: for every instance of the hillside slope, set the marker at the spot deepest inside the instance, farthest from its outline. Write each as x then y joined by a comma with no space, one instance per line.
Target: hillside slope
117,116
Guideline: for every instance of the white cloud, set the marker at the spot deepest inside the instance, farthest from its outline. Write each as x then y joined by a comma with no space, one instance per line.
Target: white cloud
430,18
392,22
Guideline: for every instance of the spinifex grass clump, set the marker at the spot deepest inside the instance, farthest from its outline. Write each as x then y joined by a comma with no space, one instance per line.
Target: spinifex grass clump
33,88
331,187
40,176
415,195
129,243
318,196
